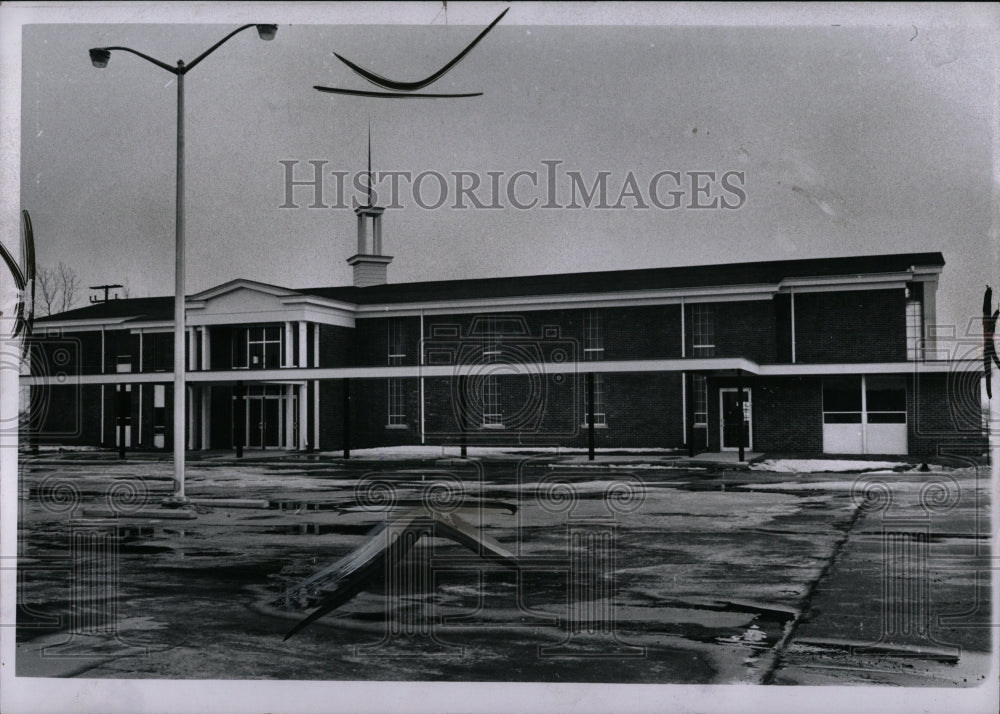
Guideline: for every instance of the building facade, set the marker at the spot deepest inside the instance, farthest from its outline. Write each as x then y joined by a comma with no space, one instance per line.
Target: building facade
830,355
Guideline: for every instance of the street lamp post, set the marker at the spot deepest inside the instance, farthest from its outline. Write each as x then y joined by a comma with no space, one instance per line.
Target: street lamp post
99,56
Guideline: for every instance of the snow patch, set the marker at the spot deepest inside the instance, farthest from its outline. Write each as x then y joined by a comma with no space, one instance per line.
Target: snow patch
807,466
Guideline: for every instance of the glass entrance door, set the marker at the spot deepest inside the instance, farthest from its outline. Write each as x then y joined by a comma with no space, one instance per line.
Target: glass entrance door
733,419
264,421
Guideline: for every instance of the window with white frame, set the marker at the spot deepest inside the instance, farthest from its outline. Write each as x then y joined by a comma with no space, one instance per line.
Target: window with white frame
914,329
593,337
702,331
491,339
257,347
490,385
396,354
593,349
700,401
396,341
397,403
492,412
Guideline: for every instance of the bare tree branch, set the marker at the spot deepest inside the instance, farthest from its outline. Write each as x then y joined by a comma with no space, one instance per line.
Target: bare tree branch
45,279
58,288
69,283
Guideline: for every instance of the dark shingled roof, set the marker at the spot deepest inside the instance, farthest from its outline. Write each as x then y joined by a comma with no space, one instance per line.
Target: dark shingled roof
765,272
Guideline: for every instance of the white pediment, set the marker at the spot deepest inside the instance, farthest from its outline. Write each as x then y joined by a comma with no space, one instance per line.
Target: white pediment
239,301
247,302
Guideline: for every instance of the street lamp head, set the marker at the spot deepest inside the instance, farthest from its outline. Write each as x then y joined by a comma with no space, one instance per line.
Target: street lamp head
99,57
267,32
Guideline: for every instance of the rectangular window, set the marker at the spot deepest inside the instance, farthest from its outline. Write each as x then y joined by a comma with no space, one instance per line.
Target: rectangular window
396,341
492,337
124,363
257,347
492,413
397,403
702,331
885,400
593,349
701,401
842,400
593,336
914,329
395,355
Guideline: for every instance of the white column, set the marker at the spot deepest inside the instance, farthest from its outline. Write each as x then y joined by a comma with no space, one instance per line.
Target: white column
206,413
303,390
288,345
362,237
303,345
206,360
316,414
793,324
190,417
192,349
138,437
289,416
929,310
316,329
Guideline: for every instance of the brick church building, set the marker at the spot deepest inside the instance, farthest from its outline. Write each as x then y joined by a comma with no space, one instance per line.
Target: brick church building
832,355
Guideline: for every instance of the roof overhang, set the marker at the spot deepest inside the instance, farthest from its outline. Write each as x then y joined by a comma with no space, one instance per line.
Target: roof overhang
715,366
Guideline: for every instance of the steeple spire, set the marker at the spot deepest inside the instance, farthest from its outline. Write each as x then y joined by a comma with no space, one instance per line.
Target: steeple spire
369,264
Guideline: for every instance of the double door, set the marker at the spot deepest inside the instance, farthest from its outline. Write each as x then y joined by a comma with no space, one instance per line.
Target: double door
266,419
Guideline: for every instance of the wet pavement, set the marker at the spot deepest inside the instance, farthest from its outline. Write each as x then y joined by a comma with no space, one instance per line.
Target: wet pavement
630,572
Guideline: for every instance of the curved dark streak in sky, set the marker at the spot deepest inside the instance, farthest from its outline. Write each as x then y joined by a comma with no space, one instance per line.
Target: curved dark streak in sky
410,86
390,95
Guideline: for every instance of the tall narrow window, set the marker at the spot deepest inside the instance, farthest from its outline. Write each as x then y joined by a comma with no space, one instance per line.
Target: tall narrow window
700,401
396,341
914,329
702,331
593,338
492,410
396,354
593,349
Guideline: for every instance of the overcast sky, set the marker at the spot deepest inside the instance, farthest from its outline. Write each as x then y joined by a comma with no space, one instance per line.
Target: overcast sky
853,136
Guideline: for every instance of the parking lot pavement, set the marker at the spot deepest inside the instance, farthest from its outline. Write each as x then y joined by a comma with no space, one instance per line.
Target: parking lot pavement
629,574
907,598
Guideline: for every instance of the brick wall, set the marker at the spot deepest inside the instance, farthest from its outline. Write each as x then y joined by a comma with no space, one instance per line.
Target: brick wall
944,410
787,412
850,326
742,329
336,345
371,341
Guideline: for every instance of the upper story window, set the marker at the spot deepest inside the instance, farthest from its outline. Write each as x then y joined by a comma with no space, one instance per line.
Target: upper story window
593,348
395,341
914,329
593,336
257,347
702,331
492,339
